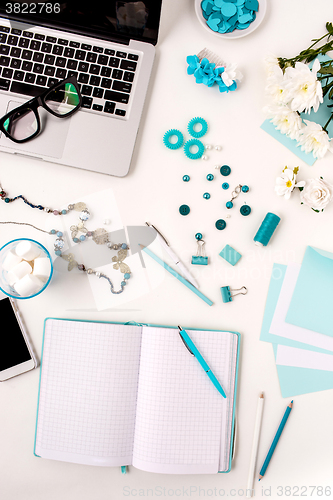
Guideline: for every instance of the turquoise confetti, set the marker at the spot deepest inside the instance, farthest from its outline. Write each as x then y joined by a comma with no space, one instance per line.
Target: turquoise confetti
225,16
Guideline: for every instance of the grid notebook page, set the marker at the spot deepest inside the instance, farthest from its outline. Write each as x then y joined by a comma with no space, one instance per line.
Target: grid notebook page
88,391
227,421
179,411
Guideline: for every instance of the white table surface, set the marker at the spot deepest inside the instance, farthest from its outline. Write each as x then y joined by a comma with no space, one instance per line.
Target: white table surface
153,191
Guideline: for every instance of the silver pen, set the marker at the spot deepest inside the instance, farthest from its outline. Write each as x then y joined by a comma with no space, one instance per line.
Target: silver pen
165,244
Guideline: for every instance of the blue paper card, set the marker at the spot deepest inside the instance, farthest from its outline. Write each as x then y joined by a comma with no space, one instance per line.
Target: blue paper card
311,303
293,380
291,144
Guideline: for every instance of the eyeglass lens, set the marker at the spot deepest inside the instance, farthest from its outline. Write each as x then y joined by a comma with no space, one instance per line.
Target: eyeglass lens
63,99
21,124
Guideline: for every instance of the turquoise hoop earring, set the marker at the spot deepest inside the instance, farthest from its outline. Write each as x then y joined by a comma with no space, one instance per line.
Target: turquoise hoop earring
171,133
199,133
187,149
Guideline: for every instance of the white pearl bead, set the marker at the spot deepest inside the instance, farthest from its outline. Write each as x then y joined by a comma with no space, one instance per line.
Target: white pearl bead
227,216
217,166
204,157
218,148
106,221
208,146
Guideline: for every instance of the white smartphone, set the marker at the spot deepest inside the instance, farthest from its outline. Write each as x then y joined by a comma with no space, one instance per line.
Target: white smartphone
16,352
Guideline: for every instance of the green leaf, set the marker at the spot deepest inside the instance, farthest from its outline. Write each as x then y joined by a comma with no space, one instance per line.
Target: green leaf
301,189
311,58
326,71
329,28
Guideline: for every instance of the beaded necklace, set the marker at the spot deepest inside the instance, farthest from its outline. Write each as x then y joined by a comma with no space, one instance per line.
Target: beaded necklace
79,233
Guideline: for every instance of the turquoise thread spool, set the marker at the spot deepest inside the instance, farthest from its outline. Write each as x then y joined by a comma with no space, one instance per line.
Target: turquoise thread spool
266,230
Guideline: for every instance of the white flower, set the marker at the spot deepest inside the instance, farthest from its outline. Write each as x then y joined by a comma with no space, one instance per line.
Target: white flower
303,89
314,138
287,183
230,74
275,88
288,122
317,194
270,61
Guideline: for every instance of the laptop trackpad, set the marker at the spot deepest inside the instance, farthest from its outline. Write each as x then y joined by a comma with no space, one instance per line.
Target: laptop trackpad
51,140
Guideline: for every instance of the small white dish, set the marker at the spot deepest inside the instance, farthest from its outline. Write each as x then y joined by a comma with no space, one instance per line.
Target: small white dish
236,33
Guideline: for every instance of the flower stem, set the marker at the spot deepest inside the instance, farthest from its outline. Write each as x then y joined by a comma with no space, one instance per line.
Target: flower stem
327,123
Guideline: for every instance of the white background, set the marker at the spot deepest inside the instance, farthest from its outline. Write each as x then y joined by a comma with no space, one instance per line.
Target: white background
153,191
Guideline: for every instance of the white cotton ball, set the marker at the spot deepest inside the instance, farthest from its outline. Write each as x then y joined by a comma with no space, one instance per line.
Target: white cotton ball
21,270
42,268
28,285
11,260
27,250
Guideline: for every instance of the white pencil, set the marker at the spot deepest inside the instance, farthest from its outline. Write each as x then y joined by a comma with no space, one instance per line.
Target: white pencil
255,445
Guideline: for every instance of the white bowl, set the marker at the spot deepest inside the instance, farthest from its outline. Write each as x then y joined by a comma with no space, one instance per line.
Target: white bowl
236,33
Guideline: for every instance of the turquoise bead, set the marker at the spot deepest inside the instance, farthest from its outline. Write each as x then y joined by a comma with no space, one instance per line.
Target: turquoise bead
186,178
64,212
76,240
6,200
124,246
184,210
229,204
58,253
245,210
206,196
225,170
210,177
123,283
198,236
53,231
82,237
220,224
59,234
127,276
245,189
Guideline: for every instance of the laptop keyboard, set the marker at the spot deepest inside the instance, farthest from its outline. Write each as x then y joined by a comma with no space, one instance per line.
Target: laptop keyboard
31,62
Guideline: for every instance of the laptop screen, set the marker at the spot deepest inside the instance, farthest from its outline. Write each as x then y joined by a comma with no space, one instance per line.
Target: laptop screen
115,20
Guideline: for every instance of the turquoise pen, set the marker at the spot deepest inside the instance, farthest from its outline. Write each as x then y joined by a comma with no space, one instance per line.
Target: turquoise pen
194,351
176,275
275,440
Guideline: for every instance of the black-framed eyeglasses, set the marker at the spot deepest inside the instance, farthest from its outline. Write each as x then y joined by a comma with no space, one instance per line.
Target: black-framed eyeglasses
23,123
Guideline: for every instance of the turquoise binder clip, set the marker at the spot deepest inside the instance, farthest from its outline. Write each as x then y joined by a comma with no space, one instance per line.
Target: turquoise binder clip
200,259
227,295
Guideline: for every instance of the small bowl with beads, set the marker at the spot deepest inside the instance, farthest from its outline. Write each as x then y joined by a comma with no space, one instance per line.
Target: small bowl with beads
25,268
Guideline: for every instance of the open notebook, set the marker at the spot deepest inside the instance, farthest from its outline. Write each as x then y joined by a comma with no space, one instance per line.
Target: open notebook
114,394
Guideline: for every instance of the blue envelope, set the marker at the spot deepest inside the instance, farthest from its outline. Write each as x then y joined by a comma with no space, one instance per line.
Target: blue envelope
311,305
293,380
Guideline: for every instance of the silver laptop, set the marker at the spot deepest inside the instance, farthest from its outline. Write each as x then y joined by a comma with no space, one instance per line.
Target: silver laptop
109,46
